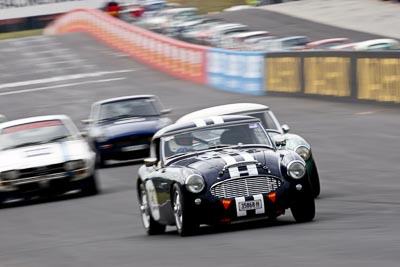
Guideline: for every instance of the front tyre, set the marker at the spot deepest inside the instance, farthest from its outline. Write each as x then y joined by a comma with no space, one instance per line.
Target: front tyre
303,207
90,186
150,225
314,180
183,220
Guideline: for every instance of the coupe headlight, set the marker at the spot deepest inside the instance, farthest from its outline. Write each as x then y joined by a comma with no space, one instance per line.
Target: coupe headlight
195,183
296,169
99,135
74,165
9,175
304,152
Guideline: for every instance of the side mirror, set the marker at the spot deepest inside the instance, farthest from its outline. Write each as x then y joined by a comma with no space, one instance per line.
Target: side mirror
279,140
3,118
285,128
149,162
166,111
84,134
86,121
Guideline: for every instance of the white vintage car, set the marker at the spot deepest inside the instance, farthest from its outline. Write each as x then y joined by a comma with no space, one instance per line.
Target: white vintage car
44,155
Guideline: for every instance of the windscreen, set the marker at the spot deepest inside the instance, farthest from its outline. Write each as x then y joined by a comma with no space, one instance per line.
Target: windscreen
226,135
34,133
139,107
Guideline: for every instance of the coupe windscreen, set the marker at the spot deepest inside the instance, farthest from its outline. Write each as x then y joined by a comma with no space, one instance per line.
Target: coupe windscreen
34,133
202,139
129,108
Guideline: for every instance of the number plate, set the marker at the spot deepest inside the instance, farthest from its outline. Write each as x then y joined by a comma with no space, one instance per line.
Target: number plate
243,205
250,205
134,148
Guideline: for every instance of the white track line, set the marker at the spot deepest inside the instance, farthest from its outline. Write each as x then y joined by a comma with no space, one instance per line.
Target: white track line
60,86
63,78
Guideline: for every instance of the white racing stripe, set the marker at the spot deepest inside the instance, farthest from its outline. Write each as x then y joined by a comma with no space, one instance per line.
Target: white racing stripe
252,168
217,120
260,197
60,86
62,78
240,213
233,171
200,122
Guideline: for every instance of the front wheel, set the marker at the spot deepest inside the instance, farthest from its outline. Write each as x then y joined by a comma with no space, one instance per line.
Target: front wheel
303,207
183,221
90,186
314,180
150,225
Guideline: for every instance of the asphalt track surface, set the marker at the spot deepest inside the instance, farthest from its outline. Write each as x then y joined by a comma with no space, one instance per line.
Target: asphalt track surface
356,147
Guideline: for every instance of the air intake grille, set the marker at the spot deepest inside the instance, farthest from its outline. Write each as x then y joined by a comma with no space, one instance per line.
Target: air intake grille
246,186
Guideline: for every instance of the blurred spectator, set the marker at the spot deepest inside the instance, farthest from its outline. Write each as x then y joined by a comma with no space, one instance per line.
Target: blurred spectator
112,8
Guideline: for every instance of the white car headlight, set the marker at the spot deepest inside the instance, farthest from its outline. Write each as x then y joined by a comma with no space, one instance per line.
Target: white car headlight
74,165
194,183
304,152
296,169
9,175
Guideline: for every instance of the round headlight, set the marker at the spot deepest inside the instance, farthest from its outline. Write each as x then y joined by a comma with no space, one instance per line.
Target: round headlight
10,175
194,183
304,152
296,169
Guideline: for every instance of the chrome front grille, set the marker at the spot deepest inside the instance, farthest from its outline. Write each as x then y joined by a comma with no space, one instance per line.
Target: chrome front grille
40,171
246,186
132,140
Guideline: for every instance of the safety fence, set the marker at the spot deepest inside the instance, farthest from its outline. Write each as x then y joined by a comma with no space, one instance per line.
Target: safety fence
352,75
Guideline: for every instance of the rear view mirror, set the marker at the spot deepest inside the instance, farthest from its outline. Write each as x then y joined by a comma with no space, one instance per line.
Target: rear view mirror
149,162
86,121
2,118
166,111
279,140
285,128
84,134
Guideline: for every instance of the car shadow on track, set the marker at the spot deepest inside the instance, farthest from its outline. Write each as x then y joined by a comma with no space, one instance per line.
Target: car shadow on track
42,200
243,226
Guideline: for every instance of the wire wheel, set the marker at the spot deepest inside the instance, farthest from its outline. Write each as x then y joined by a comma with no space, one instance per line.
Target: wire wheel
178,210
144,209
151,226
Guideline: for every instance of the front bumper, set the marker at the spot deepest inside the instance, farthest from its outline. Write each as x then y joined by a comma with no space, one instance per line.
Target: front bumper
213,210
56,183
124,150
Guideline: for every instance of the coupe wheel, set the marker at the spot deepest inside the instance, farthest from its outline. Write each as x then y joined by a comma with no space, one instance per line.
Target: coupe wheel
100,161
150,225
314,180
183,221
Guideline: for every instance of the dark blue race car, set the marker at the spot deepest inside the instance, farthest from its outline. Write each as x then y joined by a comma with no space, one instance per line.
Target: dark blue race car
122,128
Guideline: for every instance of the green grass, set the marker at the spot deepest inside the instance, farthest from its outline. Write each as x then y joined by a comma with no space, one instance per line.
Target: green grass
206,6
19,34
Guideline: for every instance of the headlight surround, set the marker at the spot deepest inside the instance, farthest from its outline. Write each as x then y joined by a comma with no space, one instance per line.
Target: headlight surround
304,152
296,169
9,175
74,165
195,183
